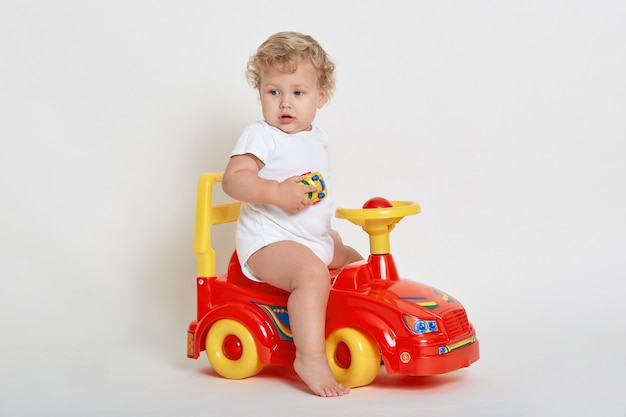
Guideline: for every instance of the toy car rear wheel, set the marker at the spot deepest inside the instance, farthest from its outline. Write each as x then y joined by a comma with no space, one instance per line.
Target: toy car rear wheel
231,350
353,357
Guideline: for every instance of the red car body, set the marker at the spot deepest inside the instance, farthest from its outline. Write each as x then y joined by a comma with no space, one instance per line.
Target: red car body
409,327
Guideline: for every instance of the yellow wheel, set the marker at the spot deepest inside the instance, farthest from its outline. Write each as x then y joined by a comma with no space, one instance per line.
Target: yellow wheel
353,357
231,350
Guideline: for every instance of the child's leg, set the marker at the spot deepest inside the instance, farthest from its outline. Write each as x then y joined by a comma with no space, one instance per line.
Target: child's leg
343,255
295,268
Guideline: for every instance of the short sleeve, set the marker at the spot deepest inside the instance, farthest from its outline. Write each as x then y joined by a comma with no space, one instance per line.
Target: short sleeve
256,140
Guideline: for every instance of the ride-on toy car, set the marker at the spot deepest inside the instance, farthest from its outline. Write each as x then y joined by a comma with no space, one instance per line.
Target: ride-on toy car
373,315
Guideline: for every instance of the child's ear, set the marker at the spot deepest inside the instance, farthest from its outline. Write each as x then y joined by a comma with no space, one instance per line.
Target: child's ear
322,99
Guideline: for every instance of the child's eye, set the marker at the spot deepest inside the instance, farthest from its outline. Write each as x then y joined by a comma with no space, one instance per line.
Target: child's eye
274,92
297,93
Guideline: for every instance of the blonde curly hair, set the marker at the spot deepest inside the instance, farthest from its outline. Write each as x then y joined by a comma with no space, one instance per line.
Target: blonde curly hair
284,51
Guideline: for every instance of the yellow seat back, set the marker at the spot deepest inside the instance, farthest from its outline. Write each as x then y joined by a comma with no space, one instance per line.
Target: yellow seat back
207,215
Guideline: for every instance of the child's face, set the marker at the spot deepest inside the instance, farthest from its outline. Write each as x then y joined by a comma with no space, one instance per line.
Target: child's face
290,100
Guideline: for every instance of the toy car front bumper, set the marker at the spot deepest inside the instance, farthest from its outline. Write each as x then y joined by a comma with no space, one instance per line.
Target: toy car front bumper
423,361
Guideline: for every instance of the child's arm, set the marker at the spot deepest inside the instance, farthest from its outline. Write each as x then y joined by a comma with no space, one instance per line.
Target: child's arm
241,181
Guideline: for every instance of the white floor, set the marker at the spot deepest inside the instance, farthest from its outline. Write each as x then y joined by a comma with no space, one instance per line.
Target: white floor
546,374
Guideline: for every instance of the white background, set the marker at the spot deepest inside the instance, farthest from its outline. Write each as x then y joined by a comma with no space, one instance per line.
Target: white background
505,120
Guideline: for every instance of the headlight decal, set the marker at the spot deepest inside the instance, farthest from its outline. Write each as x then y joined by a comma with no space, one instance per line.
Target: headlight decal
419,326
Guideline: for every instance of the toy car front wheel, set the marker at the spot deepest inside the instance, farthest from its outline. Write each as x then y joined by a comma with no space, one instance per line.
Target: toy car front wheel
231,350
353,357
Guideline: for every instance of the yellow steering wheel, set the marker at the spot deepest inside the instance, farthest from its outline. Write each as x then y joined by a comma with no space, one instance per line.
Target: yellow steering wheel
379,221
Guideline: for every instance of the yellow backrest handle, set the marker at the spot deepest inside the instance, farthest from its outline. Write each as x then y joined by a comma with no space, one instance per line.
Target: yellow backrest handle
207,215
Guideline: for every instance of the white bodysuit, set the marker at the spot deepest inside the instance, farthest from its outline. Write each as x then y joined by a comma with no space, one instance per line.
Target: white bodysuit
284,156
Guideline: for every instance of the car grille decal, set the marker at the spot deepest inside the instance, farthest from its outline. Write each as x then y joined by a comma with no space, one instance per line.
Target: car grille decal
456,323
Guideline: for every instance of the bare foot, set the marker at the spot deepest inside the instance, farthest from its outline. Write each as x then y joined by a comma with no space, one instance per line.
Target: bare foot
317,375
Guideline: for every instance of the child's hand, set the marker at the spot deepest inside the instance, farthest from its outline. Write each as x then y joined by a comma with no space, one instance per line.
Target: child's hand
293,196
